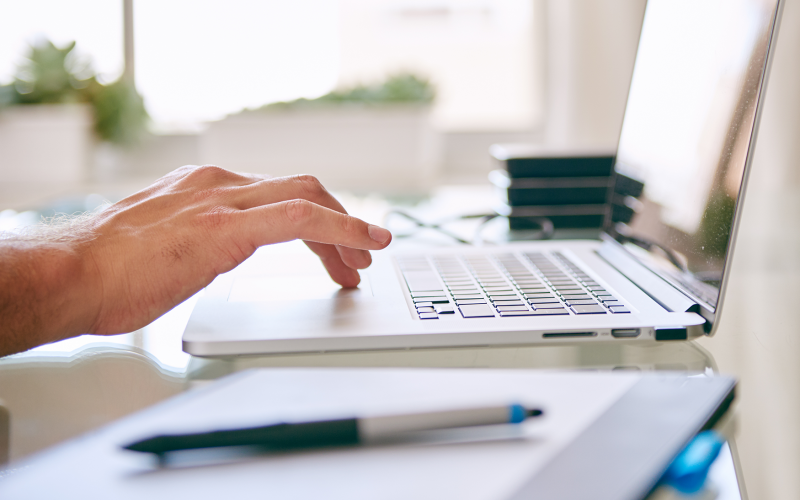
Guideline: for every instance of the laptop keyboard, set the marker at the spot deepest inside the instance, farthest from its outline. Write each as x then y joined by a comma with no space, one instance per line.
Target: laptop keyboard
503,285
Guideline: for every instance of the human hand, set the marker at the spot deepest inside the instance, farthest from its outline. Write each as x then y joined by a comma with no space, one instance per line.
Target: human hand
142,256
158,247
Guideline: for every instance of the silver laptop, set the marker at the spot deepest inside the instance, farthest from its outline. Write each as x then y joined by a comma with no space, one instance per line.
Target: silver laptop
688,134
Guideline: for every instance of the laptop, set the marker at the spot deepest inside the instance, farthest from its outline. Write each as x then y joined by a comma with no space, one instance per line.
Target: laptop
688,134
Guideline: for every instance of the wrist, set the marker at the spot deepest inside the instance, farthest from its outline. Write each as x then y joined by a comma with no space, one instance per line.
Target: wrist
46,293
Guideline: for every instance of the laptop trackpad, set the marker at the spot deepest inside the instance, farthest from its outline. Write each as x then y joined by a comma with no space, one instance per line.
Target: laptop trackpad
313,286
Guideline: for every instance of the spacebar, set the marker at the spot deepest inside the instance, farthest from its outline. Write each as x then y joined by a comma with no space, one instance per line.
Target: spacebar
421,281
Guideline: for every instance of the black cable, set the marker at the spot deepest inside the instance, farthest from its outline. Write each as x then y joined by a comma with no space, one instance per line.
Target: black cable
546,231
670,254
426,225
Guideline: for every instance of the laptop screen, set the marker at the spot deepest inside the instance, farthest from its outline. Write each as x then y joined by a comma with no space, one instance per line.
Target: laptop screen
687,131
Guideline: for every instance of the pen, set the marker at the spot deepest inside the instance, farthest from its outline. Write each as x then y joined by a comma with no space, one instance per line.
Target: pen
342,432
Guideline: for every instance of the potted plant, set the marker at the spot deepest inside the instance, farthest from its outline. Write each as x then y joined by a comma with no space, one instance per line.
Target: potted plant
362,138
55,111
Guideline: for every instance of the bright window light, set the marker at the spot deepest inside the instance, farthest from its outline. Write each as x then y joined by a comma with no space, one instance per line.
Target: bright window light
200,60
96,26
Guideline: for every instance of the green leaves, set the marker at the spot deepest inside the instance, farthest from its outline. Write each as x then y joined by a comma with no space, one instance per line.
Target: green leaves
53,75
404,88
119,114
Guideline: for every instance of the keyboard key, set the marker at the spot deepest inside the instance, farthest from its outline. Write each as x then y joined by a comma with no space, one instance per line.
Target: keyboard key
548,300
620,310
543,300
466,302
501,294
476,311
611,303
491,289
442,300
580,302
530,284
508,303
429,309
428,316
556,305
417,295
423,304
511,308
506,314
550,312
467,296
576,296
428,299
422,281
546,295
589,309
444,308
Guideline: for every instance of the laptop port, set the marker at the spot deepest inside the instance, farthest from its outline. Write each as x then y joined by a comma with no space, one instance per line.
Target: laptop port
677,333
625,333
569,334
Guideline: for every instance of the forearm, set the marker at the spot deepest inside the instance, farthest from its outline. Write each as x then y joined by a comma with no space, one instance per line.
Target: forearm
117,270
42,295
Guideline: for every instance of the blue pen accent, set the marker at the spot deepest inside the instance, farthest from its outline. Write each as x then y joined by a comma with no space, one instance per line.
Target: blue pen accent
516,414
689,471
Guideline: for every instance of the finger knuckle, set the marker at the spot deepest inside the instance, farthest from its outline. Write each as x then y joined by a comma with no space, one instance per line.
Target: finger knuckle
309,184
215,218
348,224
205,195
298,211
210,173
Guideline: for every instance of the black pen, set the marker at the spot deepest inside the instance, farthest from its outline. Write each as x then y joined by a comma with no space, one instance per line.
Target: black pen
342,432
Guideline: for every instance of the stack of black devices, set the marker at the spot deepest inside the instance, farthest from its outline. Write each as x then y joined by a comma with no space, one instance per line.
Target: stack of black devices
570,189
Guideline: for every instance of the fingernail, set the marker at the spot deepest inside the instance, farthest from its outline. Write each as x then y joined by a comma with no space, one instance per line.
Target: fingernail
379,234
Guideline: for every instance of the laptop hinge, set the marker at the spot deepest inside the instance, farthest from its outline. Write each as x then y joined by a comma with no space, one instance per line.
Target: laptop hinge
667,296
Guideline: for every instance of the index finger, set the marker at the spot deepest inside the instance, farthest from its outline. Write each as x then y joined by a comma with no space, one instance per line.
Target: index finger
305,187
302,219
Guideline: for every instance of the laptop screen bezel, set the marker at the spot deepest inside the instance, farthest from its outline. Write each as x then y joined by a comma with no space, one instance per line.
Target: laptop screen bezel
708,311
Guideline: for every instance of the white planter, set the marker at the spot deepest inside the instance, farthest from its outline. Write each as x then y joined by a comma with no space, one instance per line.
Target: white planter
352,148
45,143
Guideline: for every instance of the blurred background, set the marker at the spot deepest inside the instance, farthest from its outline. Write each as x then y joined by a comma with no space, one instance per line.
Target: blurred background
397,96
389,100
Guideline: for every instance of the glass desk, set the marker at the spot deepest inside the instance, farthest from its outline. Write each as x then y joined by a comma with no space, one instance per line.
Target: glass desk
62,390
